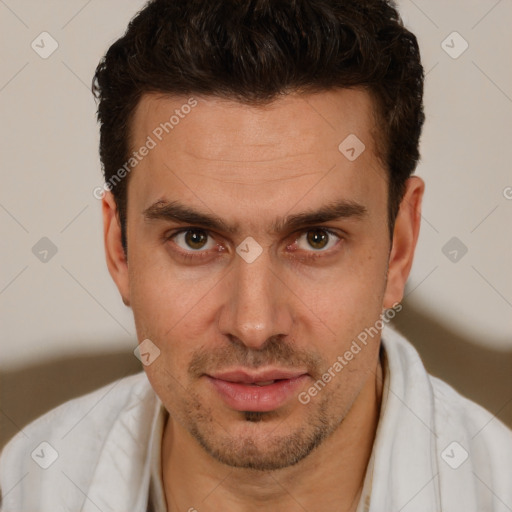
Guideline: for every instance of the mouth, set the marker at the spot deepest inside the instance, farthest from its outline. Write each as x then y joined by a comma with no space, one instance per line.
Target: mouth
257,391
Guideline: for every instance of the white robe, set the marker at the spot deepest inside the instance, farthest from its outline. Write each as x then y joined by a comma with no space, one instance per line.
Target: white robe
434,450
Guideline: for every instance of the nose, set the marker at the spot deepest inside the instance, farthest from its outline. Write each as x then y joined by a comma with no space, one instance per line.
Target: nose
257,305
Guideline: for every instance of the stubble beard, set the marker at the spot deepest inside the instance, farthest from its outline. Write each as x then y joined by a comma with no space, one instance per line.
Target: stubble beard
276,452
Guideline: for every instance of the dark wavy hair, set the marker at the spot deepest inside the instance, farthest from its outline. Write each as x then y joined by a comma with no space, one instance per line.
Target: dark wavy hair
254,51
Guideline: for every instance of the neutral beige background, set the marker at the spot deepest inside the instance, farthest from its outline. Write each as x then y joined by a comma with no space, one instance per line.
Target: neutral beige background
65,330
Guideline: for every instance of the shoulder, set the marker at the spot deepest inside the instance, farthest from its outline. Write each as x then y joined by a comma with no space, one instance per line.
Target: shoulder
110,399
74,430
450,406
486,434
472,448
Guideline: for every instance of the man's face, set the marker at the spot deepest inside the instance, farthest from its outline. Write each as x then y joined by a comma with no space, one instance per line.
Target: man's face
224,315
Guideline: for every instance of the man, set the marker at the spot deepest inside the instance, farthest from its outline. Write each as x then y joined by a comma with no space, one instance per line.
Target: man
260,219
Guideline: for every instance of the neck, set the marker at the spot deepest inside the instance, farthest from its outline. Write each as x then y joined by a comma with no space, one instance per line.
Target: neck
330,478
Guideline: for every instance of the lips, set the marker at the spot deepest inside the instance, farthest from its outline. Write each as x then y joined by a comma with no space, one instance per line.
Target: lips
243,377
261,391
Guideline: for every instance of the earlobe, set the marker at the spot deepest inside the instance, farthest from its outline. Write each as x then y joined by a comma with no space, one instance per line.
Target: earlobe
405,236
114,252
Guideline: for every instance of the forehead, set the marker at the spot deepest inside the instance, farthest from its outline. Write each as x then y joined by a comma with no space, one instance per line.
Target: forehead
308,119
256,156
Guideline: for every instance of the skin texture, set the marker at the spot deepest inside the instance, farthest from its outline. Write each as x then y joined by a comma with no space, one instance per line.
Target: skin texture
297,306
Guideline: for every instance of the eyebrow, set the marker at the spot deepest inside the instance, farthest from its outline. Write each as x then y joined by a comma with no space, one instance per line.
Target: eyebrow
174,211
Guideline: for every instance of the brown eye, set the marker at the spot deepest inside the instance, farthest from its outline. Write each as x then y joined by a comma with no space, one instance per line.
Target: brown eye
195,239
317,238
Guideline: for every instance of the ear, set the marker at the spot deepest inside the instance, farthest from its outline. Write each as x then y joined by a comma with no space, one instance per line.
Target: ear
405,236
116,259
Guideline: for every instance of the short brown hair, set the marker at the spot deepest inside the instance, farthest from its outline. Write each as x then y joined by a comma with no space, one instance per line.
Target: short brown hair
253,51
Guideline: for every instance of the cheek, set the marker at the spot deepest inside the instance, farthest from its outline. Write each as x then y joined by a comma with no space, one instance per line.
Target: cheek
350,298
160,296
166,313
171,311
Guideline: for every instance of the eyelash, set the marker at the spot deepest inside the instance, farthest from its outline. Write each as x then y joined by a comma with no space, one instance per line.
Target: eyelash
198,255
